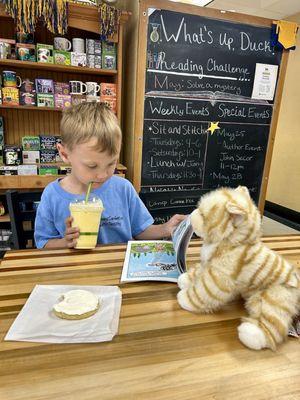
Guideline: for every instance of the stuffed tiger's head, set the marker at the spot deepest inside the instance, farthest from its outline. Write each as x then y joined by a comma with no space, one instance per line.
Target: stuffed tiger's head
227,213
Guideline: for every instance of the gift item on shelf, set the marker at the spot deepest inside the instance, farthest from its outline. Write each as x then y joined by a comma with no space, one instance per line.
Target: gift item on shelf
10,96
48,170
11,79
64,170
31,143
25,52
49,142
78,45
8,170
90,60
7,48
27,99
27,169
45,100
62,100
92,88
109,57
77,87
61,43
25,38
44,86
48,156
31,156
12,155
61,88
111,102
62,57
91,99
44,53
27,86
109,20
78,59
78,98
1,154
108,89
98,62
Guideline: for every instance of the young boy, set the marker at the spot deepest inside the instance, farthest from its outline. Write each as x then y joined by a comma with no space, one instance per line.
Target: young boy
91,142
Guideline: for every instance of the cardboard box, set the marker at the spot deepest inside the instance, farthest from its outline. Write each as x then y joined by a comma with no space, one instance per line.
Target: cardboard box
12,155
27,99
109,55
48,142
62,100
78,59
25,52
111,102
48,156
45,100
62,57
31,156
61,88
9,170
44,53
30,142
27,170
44,86
108,89
48,170
10,96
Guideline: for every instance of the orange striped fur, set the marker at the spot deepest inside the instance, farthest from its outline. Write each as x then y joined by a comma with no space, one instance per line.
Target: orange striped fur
235,262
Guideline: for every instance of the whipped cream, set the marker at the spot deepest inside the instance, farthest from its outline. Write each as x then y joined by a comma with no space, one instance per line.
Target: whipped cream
77,302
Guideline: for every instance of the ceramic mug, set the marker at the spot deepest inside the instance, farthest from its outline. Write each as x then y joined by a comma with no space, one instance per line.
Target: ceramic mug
10,79
61,43
5,50
77,87
43,55
92,88
78,45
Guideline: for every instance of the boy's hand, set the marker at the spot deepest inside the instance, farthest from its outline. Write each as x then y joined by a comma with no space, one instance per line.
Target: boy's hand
172,223
71,234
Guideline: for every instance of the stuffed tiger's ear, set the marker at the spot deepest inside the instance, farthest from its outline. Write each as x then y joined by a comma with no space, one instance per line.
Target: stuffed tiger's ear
237,213
243,189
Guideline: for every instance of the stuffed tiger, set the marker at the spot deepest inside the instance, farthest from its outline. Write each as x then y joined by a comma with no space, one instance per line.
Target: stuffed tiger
235,262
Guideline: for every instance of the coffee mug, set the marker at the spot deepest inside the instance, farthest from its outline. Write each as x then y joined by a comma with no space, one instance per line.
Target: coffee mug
92,88
10,79
61,43
5,50
77,87
43,55
78,45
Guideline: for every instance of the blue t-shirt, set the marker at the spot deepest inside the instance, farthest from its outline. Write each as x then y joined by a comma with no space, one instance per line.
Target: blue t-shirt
124,215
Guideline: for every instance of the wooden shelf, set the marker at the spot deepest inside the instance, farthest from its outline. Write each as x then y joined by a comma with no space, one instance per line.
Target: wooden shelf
37,181
4,218
34,108
57,67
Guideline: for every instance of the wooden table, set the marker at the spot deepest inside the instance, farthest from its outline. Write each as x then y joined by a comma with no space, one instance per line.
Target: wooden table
161,351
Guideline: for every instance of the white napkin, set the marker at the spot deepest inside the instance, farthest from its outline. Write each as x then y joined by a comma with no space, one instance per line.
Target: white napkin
37,323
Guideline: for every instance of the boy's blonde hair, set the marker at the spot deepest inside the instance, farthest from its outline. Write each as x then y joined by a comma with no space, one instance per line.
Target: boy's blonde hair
86,121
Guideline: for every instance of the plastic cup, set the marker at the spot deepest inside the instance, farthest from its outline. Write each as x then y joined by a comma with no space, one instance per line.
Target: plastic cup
87,217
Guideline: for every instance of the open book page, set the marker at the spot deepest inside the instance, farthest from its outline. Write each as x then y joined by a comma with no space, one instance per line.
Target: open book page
181,238
157,260
150,260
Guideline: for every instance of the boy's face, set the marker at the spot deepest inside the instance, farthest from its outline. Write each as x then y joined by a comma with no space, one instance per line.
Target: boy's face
88,164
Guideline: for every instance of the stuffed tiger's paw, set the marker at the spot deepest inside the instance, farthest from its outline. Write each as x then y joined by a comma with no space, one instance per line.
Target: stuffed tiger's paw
252,336
183,300
184,281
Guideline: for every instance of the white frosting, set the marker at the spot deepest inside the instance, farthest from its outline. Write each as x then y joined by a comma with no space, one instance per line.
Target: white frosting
77,302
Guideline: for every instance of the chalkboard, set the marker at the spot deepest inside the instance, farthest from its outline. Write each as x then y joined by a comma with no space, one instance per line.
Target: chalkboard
200,70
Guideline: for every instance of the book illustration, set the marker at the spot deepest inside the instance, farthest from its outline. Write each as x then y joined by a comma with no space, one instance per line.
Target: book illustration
157,260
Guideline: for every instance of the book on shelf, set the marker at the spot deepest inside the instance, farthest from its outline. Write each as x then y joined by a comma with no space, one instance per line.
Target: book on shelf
158,260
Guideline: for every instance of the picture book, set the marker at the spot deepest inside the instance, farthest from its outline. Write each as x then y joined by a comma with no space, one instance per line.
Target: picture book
158,260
